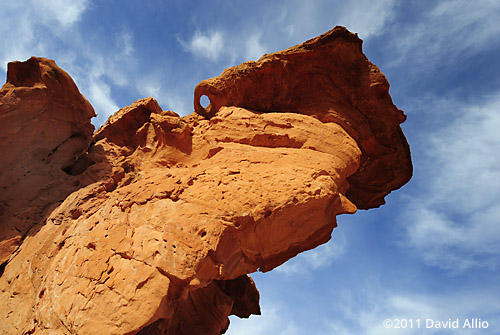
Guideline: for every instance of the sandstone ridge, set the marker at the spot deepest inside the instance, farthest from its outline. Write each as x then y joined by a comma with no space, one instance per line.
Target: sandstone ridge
152,223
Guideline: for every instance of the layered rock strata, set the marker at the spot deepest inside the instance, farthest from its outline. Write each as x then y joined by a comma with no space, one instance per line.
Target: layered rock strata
151,224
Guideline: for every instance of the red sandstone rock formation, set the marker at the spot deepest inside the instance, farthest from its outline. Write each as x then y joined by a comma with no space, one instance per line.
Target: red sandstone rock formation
151,224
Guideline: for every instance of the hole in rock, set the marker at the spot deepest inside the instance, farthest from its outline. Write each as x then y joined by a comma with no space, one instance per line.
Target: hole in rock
2,267
42,292
76,213
61,244
203,233
204,101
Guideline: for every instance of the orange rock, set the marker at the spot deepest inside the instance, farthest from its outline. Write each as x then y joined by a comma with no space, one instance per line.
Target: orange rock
152,224
44,128
329,78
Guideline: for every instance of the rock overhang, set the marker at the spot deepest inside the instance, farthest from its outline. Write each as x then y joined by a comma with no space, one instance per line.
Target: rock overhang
163,213
328,78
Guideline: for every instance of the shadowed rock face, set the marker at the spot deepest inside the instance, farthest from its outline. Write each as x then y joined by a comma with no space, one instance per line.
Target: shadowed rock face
330,79
151,224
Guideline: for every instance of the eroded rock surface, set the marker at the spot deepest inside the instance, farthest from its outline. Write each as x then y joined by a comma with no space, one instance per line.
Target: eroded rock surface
329,78
151,224
44,128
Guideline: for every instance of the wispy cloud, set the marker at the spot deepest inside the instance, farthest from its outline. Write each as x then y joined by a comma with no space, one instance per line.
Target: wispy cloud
24,25
227,47
362,307
282,25
125,42
270,322
177,99
359,16
321,256
254,47
366,312
445,31
51,29
305,19
96,73
454,223
99,94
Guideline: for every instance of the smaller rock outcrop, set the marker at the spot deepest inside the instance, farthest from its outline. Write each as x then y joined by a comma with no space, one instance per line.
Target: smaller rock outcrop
44,130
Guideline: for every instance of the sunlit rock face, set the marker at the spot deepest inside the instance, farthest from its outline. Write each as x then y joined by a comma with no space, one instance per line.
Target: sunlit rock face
151,224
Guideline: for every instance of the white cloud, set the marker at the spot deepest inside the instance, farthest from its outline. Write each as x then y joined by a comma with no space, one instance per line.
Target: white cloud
453,224
321,256
228,46
209,45
95,73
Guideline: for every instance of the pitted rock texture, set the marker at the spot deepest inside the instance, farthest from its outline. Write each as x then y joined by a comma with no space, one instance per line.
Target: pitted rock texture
151,224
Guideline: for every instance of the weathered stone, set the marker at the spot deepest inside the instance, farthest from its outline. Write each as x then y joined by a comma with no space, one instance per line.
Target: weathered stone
151,224
329,78
44,128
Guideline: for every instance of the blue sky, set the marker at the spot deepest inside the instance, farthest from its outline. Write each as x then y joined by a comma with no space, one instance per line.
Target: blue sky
433,250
